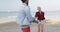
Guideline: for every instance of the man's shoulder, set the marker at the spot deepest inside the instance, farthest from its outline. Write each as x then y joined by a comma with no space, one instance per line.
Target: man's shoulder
27,8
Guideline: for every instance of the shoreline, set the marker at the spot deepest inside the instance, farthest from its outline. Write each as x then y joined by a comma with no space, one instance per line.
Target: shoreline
48,20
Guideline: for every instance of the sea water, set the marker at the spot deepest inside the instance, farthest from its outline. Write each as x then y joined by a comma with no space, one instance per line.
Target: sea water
48,14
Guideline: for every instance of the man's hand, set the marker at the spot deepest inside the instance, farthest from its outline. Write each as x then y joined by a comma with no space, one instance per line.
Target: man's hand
35,21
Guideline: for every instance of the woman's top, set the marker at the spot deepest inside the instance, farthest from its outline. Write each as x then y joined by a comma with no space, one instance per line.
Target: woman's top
40,15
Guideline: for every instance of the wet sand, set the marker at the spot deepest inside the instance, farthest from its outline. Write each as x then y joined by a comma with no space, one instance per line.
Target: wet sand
11,26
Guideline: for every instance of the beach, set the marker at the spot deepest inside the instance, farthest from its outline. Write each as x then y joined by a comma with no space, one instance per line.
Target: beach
11,9
9,25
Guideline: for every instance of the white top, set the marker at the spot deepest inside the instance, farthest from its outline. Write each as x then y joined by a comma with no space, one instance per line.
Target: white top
24,17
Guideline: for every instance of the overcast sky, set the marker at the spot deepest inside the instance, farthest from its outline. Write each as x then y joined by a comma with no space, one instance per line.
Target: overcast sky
46,5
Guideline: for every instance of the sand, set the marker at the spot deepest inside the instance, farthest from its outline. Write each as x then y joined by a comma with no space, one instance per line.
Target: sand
52,25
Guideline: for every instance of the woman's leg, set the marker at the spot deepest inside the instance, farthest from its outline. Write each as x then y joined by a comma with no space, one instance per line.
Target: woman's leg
39,28
42,27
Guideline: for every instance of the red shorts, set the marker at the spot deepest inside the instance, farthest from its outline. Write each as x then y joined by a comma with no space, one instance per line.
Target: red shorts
26,29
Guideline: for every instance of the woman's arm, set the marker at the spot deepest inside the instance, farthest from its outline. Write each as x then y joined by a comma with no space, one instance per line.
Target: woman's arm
36,18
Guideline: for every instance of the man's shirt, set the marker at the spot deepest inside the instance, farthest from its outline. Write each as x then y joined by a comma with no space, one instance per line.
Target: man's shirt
24,17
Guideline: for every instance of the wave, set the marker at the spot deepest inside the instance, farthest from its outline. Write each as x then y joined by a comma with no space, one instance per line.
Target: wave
8,17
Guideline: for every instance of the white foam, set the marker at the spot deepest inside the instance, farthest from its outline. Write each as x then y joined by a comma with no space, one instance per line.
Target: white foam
8,17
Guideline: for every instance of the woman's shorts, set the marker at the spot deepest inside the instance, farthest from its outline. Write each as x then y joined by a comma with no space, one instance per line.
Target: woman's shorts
41,21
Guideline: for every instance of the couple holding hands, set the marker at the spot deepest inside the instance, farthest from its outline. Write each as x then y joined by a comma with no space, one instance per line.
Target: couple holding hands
24,18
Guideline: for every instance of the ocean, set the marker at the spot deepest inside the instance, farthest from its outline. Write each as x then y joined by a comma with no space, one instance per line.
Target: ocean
8,15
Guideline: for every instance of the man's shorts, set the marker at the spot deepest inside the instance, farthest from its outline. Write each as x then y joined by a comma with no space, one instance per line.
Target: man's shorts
24,26
41,21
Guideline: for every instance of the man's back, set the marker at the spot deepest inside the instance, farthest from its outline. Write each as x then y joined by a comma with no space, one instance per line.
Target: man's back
24,15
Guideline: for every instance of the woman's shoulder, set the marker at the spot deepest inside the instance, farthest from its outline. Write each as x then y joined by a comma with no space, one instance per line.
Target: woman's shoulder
42,12
37,12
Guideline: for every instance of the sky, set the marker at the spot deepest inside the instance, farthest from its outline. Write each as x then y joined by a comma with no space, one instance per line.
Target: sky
14,5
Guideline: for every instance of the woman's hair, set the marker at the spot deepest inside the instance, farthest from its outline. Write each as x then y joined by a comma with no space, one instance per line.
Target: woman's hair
23,1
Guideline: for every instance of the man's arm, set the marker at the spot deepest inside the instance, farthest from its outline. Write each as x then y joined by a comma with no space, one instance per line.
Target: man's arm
28,14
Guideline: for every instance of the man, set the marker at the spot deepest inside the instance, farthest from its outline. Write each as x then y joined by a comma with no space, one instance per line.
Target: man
41,19
24,17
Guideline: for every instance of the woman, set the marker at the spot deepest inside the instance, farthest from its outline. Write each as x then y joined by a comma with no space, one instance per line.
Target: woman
41,19
24,17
